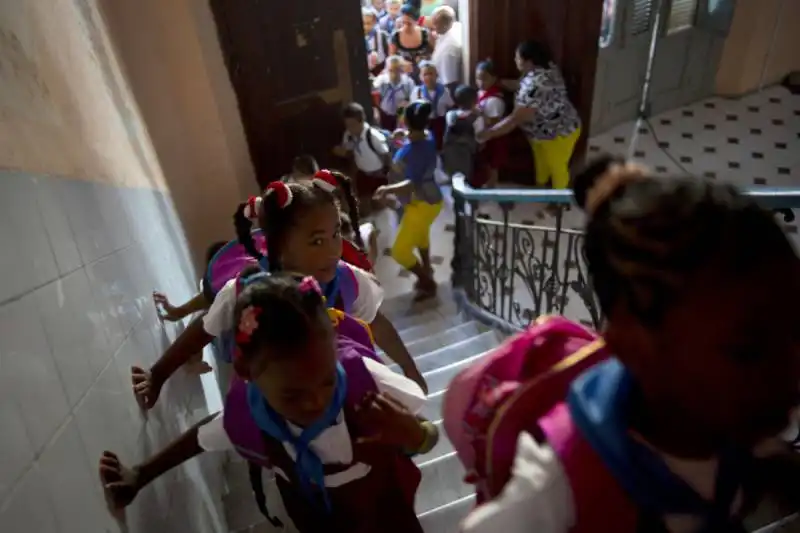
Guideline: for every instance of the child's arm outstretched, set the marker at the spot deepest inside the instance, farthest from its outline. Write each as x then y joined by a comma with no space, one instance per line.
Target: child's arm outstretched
147,384
200,332
388,339
122,484
172,313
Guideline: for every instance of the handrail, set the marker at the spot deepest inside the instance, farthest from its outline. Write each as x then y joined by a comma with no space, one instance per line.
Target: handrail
769,197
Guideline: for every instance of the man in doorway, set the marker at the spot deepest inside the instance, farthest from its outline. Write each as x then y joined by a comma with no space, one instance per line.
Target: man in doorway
448,51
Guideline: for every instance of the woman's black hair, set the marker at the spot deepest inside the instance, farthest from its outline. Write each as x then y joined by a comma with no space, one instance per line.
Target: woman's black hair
487,65
536,52
276,221
650,236
345,187
465,97
286,316
418,114
409,9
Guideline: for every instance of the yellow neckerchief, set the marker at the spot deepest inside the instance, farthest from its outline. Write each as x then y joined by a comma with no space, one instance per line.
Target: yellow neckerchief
337,316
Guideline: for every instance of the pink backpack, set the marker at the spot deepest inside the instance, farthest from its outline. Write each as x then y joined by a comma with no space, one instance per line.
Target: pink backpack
522,386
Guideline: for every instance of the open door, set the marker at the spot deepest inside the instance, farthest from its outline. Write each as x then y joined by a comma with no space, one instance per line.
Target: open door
570,27
691,35
293,65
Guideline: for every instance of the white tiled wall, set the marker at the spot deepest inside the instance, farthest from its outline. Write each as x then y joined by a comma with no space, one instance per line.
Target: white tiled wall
78,264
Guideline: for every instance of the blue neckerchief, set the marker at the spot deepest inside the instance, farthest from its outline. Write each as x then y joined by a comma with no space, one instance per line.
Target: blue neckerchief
390,22
308,466
436,96
370,38
598,403
389,94
331,289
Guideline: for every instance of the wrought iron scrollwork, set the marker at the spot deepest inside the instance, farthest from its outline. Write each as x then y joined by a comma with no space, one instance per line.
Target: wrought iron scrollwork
516,272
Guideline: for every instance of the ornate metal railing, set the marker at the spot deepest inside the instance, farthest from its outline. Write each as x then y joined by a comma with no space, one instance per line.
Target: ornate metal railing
507,273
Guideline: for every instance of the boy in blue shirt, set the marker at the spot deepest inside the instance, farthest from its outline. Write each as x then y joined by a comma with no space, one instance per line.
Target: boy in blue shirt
415,165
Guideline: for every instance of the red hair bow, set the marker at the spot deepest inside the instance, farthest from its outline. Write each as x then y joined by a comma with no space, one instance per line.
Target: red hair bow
253,207
283,192
325,180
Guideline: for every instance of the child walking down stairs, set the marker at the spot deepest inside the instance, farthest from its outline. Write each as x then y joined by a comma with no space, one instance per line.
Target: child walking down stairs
442,342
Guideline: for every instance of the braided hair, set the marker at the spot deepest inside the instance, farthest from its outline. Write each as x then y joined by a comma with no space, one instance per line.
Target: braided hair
277,216
646,237
284,314
345,189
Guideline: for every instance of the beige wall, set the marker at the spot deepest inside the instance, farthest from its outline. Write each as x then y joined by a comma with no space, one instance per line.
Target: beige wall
133,94
172,58
749,46
64,108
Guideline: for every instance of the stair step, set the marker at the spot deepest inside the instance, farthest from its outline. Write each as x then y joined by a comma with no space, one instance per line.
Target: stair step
454,353
405,305
447,518
439,379
431,325
442,483
432,410
449,336
431,316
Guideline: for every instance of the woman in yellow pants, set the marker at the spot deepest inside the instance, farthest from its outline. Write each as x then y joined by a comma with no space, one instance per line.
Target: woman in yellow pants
544,112
415,163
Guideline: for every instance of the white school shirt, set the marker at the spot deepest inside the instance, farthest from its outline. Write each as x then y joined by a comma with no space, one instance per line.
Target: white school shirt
443,105
367,160
333,445
220,316
493,107
393,96
447,55
366,230
538,497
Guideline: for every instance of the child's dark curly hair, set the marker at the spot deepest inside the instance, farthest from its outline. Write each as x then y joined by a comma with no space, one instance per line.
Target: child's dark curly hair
287,315
647,237
346,191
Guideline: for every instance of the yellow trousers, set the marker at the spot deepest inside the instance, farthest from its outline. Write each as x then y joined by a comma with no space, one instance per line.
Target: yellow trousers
414,232
552,159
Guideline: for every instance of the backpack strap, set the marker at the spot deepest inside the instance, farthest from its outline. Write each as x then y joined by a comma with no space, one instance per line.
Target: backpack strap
370,142
597,496
348,286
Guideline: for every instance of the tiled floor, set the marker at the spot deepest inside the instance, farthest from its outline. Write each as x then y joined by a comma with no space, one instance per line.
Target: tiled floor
750,141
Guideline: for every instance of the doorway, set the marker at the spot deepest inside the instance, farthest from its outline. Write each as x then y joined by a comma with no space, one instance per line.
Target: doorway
689,41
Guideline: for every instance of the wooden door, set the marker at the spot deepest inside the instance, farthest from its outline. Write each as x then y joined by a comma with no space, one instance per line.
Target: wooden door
691,35
570,27
293,65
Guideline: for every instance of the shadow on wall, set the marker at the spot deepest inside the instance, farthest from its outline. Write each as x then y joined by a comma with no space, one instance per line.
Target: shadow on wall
88,230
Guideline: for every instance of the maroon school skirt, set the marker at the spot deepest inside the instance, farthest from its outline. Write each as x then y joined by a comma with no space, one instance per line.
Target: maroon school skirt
367,184
495,153
438,126
388,122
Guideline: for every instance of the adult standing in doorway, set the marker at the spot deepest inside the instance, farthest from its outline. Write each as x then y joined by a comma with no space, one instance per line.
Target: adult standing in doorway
544,113
411,41
448,51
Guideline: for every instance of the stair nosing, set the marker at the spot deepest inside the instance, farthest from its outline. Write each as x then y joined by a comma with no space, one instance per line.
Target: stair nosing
457,363
448,505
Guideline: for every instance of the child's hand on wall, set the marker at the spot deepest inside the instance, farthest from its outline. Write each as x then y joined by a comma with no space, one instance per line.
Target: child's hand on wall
120,484
167,311
390,423
146,388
